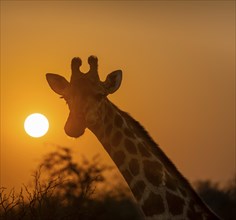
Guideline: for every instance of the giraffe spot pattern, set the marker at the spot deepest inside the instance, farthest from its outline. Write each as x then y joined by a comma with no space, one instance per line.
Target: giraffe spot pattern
118,121
144,152
109,111
107,118
107,147
96,127
108,130
191,213
129,145
134,167
170,182
116,139
127,175
183,192
109,114
153,172
175,203
119,158
128,133
138,189
154,205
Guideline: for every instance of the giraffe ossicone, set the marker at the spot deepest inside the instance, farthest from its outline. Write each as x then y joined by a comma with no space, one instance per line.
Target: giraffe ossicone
159,188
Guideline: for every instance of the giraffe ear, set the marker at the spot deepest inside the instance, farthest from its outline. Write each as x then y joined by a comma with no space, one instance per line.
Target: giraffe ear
57,83
113,81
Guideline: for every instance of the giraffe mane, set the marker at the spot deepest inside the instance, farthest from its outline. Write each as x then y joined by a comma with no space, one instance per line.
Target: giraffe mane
158,152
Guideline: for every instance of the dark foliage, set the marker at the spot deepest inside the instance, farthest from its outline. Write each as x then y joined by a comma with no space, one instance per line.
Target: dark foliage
221,200
64,190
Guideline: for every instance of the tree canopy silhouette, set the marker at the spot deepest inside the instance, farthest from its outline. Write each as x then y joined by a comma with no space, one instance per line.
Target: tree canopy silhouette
62,189
221,200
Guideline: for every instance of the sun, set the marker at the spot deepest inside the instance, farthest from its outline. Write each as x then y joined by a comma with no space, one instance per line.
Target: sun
36,125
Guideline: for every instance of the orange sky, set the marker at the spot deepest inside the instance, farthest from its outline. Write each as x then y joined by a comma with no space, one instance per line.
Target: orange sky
178,62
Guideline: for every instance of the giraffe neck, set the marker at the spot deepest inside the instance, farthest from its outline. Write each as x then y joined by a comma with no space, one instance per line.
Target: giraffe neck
160,190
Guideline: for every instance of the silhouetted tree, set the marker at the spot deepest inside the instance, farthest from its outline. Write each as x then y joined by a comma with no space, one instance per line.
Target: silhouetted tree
221,200
64,190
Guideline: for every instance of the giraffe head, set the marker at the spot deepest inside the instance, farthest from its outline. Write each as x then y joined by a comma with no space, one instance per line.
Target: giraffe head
84,94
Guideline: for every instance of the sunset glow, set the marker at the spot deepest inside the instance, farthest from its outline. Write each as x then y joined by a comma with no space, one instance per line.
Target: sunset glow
36,125
178,64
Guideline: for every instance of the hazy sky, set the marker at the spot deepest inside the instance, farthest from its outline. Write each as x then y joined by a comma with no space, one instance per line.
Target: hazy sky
178,62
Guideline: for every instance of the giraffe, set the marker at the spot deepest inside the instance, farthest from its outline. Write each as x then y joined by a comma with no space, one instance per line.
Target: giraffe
160,189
